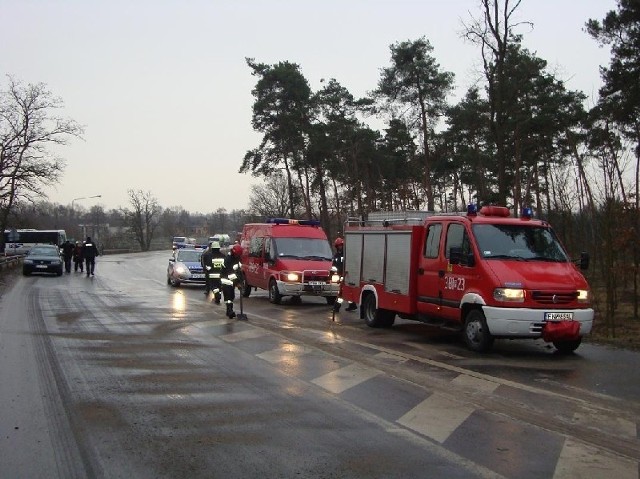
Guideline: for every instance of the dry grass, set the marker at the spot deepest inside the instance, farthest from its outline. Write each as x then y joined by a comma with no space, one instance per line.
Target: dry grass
623,331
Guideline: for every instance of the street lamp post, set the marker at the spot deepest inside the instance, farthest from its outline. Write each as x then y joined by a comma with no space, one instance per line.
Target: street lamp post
72,210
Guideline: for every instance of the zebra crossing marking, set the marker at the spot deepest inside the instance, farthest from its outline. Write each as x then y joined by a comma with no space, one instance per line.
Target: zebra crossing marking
578,460
436,417
344,378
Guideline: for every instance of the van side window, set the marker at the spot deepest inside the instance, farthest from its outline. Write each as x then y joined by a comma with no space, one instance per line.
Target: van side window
432,242
267,249
255,247
457,238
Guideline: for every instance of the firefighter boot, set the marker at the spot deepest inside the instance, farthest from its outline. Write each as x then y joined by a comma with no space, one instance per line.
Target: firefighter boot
216,296
230,312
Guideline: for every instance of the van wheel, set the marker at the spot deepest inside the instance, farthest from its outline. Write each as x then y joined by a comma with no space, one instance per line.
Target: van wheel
274,295
476,333
374,317
567,347
246,289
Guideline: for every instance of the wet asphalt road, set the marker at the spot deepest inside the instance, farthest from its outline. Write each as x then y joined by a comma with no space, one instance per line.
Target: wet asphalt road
121,375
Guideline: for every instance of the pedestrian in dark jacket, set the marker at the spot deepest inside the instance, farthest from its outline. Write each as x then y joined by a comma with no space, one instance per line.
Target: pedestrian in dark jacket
78,260
89,253
67,254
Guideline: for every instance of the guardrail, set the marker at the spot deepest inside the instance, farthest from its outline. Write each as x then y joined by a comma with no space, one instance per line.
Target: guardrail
10,261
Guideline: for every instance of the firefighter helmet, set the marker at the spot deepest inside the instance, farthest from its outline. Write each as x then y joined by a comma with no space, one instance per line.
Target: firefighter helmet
236,249
338,243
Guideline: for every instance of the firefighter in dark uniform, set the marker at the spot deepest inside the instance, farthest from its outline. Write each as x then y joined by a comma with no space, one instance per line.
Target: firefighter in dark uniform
337,266
215,274
231,276
205,261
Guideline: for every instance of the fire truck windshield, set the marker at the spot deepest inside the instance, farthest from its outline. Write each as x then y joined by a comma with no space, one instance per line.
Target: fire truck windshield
520,242
303,248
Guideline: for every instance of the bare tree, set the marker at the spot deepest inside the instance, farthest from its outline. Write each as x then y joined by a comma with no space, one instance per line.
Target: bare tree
143,218
28,127
494,32
271,198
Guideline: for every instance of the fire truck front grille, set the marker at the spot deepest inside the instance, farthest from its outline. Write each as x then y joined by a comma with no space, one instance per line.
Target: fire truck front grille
550,297
320,276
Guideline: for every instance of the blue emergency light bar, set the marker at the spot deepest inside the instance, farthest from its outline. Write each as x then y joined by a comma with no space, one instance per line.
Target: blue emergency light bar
289,221
472,210
526,213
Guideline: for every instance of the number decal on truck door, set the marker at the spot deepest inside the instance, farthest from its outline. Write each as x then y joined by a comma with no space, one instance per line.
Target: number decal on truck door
454,283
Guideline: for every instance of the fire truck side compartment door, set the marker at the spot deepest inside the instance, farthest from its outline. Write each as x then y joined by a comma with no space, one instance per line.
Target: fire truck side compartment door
352,258
429,297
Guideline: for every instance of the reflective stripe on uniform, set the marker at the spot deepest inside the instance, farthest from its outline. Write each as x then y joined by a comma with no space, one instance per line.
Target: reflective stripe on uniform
226,281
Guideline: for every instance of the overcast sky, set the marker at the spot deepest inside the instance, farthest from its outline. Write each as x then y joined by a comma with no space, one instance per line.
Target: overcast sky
164,92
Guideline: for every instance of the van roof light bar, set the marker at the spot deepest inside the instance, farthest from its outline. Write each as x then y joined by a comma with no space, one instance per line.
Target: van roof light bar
291,221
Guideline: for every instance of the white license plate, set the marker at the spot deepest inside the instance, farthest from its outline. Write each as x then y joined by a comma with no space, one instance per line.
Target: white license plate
42,266
316,283
558,316
197,276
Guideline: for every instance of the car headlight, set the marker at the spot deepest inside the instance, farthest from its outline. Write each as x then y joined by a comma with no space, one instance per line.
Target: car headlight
583,296
181,269
510,295
292,277
56,261
335,278
28,261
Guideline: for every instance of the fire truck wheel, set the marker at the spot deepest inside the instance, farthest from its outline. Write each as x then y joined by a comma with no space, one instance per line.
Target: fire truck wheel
246,289
566,347
476,333
374,317
274,295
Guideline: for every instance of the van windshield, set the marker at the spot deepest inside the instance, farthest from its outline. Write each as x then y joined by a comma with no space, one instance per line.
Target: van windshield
520,242
303,248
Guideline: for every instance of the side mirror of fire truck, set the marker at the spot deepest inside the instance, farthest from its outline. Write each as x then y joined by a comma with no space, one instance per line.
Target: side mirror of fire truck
456,256
584,260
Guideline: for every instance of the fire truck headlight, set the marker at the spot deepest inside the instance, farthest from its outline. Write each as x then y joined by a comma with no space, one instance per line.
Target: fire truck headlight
293,277
510,295
335,278
583,296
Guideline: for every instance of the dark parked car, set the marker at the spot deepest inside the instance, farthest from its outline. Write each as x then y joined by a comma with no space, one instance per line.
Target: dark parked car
42,259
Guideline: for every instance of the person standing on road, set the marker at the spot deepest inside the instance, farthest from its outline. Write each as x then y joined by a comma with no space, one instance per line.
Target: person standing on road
77,257
89,253
67,254
217,265
205,261
231,276
337,265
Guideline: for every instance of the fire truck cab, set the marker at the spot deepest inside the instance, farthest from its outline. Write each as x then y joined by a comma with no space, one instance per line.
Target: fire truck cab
288,257
486,274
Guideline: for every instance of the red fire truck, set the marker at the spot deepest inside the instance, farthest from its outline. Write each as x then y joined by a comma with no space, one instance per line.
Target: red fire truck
484,273
288,257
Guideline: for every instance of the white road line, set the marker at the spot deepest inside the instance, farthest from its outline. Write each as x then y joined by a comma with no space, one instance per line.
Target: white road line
242,335
436,417
285,353
475,383
391,357
578,460
344,378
